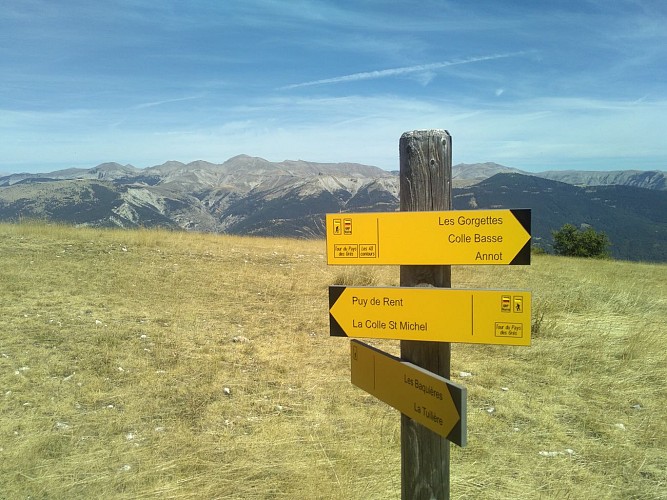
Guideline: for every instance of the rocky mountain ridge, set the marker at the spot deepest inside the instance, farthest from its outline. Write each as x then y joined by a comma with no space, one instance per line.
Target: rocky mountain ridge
242,169
199,195
249,195
649,179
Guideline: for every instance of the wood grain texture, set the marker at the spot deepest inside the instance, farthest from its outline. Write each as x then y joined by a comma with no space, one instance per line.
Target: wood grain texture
425,184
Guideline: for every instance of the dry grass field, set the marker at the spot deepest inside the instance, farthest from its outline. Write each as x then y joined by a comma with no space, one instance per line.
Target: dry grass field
152,364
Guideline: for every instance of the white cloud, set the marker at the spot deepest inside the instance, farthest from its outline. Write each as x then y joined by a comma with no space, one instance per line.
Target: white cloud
166,101
406,70
534,134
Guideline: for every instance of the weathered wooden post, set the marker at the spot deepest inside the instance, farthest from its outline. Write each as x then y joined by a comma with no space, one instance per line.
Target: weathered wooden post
425,184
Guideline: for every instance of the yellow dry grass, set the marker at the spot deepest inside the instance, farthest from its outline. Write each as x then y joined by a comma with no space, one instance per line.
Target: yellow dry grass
155,364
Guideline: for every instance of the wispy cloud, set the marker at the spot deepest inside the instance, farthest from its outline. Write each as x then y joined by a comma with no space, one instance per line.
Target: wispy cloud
385,73
165,101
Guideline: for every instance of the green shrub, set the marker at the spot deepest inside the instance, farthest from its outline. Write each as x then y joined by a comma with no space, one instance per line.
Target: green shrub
573,242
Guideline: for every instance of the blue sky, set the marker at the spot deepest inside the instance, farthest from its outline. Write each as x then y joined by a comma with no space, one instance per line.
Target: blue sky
529,84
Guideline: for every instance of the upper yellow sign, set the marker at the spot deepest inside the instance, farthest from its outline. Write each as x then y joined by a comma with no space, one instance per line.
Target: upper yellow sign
430,238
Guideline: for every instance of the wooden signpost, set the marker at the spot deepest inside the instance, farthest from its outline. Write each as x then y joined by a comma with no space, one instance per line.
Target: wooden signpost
425,238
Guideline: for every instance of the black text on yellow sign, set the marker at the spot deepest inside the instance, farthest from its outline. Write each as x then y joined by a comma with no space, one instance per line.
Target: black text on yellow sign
431,314
433,401
430,238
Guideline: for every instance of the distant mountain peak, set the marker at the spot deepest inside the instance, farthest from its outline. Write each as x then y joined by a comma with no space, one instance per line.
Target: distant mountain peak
650,179
251,195
113,167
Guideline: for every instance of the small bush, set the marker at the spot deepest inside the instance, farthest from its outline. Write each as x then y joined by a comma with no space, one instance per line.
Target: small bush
537,250
573,242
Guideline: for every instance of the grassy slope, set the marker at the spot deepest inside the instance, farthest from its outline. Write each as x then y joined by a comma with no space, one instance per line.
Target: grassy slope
120,375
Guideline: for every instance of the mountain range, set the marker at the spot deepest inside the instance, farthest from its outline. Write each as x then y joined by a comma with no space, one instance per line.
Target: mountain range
250,195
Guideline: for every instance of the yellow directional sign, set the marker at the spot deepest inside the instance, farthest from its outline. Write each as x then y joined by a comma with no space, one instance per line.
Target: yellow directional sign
431,400
434,314
430,238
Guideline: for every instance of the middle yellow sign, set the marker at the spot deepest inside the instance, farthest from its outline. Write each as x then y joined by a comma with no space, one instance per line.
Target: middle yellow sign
431,314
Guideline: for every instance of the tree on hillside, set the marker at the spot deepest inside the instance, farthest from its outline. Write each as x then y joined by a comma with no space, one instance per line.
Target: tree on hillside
573,242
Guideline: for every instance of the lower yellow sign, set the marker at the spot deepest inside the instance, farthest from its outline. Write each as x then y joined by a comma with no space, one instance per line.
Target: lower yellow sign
432,314
433,401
